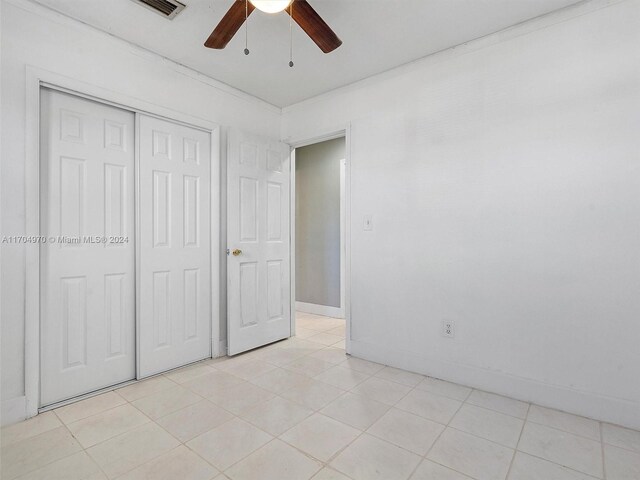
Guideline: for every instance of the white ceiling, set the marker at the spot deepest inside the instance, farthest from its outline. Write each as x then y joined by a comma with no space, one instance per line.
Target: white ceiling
378,35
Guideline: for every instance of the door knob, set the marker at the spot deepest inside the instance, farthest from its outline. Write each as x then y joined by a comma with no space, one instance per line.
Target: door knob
236,252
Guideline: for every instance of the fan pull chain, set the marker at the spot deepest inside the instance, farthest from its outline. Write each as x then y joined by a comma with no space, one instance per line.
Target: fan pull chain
246,27
291,34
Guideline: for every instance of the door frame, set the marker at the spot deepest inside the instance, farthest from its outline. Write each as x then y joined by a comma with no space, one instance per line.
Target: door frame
36,78
345,269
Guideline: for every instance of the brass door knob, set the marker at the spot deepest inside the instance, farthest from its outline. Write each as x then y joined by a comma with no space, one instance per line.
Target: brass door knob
236,252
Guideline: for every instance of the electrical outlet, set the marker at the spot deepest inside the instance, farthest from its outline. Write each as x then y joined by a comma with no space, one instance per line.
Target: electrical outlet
448,329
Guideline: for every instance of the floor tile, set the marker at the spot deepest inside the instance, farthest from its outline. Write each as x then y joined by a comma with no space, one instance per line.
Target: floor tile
582,426
407,430
332,323
279,380
32,453
313,324
282,356
428,470
180,463
325,338
216,361
340,331
526,467
621,464
320,323
428,405
355,410
494,426
211,383
241,397
251,369
344,378
275,461
621,437
29,428
166,402
194,420
125,452
563,448
309,366
446,389
277,415
145,387
320,436
473,456
227,363
400,376
369,458
329,474
102,426
304,332
189,372
363,366
230,442
302,346
313,394
501,404
91,406
333,355
78,466
383,391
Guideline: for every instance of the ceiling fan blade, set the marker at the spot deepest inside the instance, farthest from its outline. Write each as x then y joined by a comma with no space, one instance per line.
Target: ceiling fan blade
314,25
229,25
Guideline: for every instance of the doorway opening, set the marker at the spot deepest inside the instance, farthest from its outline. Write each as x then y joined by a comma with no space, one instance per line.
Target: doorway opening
319,240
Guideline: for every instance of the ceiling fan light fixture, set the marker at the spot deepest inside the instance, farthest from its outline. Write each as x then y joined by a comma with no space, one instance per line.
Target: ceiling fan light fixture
271,6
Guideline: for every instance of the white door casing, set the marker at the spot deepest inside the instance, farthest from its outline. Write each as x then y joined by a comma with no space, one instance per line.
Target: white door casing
87,287
258,208
174,250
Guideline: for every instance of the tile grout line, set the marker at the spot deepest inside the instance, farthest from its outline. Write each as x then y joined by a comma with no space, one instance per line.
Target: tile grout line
84,450
546,459
424,457
515,450
604,463
362,432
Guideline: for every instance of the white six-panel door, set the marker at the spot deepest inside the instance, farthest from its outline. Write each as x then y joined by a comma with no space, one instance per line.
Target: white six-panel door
175,248
258,203
87,287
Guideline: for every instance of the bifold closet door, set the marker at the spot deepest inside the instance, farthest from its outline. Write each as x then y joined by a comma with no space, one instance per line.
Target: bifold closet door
175,245
87,276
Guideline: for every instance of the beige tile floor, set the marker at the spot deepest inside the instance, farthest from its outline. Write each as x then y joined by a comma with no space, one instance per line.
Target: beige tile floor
301,409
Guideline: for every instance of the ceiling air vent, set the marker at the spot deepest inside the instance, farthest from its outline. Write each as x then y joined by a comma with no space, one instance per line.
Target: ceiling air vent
166,8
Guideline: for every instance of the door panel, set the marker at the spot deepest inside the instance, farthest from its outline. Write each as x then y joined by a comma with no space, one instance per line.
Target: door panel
175,256
258,225
87,287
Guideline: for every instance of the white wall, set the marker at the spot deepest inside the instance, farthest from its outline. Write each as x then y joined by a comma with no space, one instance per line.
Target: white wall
37,37
503,177
318,222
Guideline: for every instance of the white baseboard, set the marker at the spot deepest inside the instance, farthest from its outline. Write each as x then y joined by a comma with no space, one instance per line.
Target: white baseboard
603,408
324,310
13,410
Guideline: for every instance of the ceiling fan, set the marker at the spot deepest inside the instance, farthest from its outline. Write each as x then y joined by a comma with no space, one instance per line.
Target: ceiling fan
300,10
